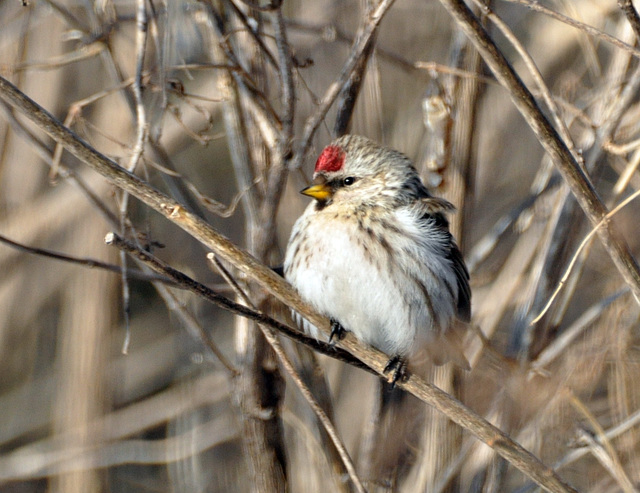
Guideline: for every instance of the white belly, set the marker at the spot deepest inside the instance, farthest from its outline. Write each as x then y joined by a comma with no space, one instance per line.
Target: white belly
369,293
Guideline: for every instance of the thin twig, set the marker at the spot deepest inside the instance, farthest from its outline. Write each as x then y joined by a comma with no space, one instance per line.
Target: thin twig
185,282
535,74
195,328
47,155
432,67
628,173
488,242
590,30
218,208
257,39
564,161
54,63
612,433
236,131
583,243
84,261
602,448
568,335
75,112
138,148
632,15
182,281
358,50
141,123
333,33
349,93
258,105
270,336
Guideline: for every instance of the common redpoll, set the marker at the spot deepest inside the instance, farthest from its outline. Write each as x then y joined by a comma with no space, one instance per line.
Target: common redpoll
374,253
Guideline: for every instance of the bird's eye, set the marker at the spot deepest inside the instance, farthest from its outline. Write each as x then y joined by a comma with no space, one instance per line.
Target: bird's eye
349,180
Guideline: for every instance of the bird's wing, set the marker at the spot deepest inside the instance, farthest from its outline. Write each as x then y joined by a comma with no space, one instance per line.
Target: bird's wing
433,209
462,278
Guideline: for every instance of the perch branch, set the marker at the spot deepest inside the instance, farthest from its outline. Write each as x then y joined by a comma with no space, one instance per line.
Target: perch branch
182,281
278,287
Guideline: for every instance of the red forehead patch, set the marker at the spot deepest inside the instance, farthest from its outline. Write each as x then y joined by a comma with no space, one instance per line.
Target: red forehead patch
331,159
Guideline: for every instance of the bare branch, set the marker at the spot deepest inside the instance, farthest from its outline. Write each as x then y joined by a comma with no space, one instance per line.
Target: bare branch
602,449
365,34
632,15
185,282
270,336
138,148
590,30
535,73
141,48
565,162
48,156
86,262
286,77
583,243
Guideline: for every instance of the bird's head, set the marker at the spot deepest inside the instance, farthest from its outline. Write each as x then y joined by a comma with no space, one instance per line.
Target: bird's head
355,170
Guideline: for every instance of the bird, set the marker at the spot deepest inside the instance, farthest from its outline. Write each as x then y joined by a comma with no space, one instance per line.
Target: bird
373,252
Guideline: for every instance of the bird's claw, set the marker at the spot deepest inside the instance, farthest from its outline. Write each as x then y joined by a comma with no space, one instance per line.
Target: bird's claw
337,331
397,367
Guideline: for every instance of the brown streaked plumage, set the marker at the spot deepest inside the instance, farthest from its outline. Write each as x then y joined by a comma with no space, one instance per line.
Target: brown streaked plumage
374,252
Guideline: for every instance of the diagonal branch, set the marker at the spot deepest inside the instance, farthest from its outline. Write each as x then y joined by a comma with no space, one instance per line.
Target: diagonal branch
590,30
632,15
182,281
86,262
358,51
557,149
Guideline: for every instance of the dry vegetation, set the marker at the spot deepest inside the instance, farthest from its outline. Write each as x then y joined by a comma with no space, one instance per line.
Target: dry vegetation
221,106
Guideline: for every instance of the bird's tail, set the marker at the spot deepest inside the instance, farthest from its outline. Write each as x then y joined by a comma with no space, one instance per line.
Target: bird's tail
448,346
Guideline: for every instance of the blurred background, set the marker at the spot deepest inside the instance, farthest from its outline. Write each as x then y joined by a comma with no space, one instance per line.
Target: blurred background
213,103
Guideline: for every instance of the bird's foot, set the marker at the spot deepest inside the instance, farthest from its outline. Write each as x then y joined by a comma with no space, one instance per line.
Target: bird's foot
337,331
397,368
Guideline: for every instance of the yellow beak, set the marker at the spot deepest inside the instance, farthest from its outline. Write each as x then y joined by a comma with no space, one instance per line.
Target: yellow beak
319,192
